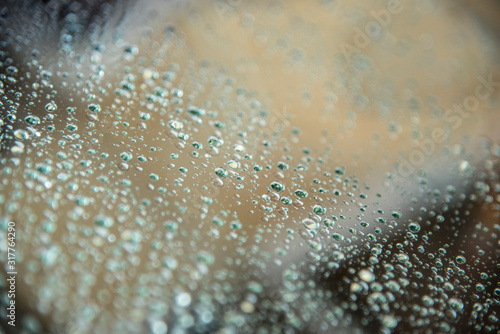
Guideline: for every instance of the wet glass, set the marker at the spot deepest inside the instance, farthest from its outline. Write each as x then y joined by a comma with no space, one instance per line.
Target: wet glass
235,166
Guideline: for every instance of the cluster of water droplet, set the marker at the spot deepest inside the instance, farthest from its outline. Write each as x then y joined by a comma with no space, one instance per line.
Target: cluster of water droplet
155,190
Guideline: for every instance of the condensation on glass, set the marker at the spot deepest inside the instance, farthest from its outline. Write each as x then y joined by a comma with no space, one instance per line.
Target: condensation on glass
238,166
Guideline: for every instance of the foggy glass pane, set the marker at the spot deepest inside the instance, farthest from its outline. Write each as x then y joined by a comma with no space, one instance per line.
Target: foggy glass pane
234,166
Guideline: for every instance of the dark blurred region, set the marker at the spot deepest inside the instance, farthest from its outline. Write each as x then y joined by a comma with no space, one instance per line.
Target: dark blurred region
40,25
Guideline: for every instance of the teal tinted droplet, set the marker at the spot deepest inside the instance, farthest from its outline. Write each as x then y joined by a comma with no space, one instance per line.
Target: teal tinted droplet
217,221
414,227
319,209
427,301
82,200
50,107
283,166
103,221
160,92
301,193
339,171
337,236
254,287
328,222
278,187
126,156
221,172
215,142
144,116
257,168
456,304
85,163
94,107
71,127
396,214
286,201
61,155
32,120
195,111
236,225
183,136
205,257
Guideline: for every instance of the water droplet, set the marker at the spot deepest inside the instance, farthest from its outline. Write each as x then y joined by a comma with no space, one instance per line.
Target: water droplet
396,214
337,236
427,301
366,275
319,209
283,166
277,186
286,201
32,120
126,156
221,172
104,221
50,107
183,299
356,287
94,107
21,134
254,287
233,164
158,327
456,304
176,125
71,127
310,224
215,142
195,111
414,227
239,148
301,193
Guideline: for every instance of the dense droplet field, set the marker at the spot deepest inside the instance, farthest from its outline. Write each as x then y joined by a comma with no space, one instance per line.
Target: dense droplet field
236,166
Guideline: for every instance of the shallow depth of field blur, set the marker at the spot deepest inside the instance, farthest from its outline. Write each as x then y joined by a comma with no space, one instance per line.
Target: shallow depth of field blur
237,166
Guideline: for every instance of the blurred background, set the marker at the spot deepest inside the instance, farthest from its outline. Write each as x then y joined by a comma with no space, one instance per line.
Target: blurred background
232,166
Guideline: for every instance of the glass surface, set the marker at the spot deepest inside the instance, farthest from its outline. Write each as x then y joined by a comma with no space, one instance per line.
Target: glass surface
235,166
